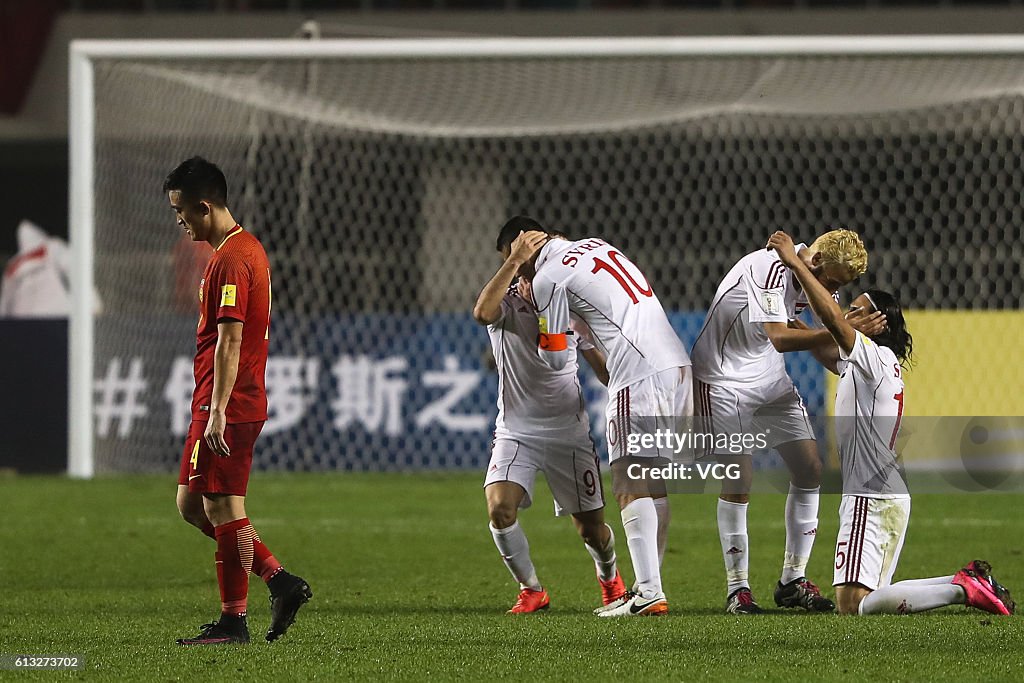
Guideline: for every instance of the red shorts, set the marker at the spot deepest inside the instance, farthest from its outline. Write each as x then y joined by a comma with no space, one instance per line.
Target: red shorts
203,471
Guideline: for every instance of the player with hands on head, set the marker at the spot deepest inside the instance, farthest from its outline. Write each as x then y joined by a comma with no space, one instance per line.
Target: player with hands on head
542,426
742,388
649,386
875,505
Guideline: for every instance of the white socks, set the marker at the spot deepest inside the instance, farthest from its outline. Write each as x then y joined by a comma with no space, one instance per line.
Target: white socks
640,522
801,529
664,517
732,532
933,581
915,595
515,551
604,558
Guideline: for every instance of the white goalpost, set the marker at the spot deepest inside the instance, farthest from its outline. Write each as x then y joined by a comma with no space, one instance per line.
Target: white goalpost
391,162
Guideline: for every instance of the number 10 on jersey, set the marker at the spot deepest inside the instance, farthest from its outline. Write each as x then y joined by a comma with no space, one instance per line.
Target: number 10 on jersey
618,271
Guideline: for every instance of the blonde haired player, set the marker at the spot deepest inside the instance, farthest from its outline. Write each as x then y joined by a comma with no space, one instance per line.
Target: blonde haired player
742,387
875,507
542,425
649,381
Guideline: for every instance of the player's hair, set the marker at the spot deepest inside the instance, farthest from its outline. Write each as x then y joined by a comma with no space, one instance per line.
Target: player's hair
895,336
845,248
197,179
515,225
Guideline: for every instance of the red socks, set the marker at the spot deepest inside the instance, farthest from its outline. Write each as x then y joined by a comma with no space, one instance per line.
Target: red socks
264,564
234,574
239,551
220,576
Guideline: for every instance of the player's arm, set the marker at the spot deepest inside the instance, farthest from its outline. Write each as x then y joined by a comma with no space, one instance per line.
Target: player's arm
552,321
827,354
864,321
488,304
766,304
225,371
232,281
819,298
585,346
785,338
596,360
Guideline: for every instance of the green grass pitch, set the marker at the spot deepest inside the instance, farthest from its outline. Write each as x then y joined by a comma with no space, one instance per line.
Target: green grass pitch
408,585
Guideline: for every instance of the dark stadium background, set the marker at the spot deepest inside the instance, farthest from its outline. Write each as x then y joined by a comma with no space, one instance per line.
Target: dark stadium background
33,120
407,582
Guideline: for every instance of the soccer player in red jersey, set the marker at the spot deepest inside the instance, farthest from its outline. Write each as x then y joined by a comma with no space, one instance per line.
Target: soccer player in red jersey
229,406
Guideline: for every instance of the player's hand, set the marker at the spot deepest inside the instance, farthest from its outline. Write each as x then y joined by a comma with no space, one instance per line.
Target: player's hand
868,324
214,434
526,245
525,288
783,244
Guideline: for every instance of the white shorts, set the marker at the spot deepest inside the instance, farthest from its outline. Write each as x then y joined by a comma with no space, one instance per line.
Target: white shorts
662,401
774,410
573,472
871,533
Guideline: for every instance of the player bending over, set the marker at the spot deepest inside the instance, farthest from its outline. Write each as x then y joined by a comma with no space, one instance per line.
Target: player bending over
875,506
229,406
542,425
649,384
742,384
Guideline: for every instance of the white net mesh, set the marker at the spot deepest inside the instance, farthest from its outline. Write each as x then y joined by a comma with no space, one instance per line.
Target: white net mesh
378,185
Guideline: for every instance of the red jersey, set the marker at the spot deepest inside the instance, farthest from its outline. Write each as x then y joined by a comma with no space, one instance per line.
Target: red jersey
235,286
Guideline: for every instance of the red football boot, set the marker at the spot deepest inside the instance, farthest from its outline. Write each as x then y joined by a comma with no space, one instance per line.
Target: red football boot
612,589
530,600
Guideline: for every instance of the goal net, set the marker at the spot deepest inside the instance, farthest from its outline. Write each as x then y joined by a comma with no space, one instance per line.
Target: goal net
377,173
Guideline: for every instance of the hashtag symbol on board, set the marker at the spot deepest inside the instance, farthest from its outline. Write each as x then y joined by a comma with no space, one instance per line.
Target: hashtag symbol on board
118,397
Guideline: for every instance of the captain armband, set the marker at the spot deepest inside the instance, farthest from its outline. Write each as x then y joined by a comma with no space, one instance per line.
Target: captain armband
552,342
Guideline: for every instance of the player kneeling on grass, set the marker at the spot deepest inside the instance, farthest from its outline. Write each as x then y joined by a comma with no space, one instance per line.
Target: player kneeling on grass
229,406
542,425
743,387
875,506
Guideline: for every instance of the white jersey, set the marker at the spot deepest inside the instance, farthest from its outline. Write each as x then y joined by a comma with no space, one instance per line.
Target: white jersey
593,280
869,407
733,349
534,401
